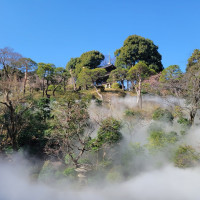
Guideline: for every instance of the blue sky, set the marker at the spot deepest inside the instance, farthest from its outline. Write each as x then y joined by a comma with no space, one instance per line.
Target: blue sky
53,31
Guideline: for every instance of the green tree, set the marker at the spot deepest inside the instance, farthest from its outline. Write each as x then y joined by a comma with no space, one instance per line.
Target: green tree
71,66
194,59
108,136
162,115
46,72
136,75
61,76
109,132
84,78
137,48
26,65
88,77
70,130
186,156
90,60
118,74
159,139
173,72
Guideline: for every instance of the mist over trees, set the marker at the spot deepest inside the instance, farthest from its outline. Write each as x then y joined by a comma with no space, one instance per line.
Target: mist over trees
81,121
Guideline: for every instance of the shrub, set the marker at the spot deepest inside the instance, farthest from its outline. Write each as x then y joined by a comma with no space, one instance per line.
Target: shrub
109,131
183,121
162,115
159,138
115,86
69,171
132,113
185,156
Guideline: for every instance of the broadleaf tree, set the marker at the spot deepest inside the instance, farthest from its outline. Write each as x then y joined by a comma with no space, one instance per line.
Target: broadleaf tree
137,48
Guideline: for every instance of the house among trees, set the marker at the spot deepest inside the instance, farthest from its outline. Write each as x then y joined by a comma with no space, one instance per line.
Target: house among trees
103,80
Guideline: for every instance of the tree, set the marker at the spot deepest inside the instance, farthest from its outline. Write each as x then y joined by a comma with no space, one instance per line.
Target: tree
89,77
136,74
190,90
194,59
26,65
186,156
46,72
70,130
173,72
90,60
71,65
8,61
13,106
84,78
135,49
170,77
186,86
108,136
118,74
61,75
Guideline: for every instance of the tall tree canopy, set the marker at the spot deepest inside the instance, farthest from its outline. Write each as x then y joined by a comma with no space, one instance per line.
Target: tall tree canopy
173,72
137,48
46,72
118,74
72,64
194,59
90,60
136,75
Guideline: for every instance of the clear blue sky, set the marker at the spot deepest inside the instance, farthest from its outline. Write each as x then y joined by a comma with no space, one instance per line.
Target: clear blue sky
53,31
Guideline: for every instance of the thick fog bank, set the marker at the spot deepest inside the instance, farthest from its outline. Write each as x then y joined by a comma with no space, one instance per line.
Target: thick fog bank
165,183
150,176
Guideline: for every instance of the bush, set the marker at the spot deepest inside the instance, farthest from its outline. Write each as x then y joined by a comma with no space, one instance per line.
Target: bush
185,156
162,115
109,131
183,121
69,171
159,139
132,113
115,86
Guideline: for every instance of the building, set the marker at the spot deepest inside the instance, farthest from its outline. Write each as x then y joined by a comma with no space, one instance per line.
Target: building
103,80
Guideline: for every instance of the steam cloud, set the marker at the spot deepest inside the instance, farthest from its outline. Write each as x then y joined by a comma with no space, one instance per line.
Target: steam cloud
153,183
165,183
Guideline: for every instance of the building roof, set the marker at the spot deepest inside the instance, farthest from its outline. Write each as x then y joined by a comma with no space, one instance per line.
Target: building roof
106,66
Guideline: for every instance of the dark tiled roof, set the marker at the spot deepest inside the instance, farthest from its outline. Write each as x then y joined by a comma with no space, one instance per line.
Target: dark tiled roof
108,65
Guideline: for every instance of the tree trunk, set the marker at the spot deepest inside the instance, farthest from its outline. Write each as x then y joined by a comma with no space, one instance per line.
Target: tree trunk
25,80
43,87
122,83
46,91
98,93
64,85
139,94
54,90
192,116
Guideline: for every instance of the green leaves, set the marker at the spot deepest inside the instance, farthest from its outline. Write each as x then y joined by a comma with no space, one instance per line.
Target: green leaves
135,49
173,72
45,70
194,59
139,71
118,74
162,115
90,60
89,76
109,131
